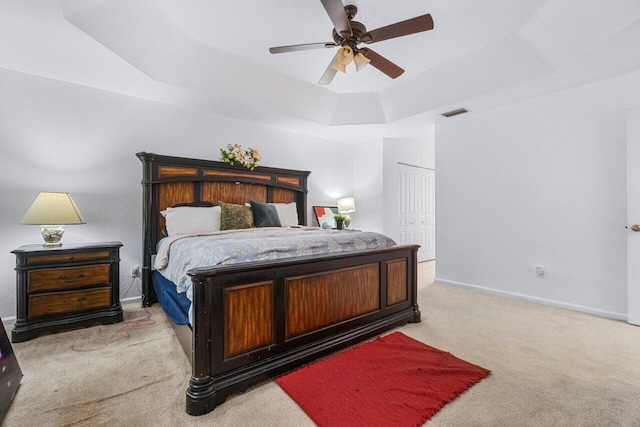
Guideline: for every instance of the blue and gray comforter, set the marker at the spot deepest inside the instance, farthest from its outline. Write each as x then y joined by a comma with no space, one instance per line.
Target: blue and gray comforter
179,254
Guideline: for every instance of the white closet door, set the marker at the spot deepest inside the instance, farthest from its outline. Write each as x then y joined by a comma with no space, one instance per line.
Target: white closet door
416,210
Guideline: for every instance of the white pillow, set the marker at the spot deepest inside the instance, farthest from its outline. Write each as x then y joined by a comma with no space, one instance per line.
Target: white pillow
287,213
192,220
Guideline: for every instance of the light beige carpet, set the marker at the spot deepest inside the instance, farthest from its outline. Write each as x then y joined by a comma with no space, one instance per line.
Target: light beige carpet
551,367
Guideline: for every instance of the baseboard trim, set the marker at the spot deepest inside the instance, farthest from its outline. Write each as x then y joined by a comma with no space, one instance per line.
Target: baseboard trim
9,320
550,302
130,299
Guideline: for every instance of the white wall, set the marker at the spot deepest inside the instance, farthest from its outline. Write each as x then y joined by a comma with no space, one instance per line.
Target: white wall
368,187
541,182
63,137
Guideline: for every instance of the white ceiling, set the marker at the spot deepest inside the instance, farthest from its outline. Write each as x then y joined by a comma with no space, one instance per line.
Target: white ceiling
213,56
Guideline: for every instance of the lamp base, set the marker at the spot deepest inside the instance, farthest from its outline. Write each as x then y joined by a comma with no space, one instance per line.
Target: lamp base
52,234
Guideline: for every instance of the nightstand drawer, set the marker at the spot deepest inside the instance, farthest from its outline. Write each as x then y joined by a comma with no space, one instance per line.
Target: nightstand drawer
68,302
53,279
50,259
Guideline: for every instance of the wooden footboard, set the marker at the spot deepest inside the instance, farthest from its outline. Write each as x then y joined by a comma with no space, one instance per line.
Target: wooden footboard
256,321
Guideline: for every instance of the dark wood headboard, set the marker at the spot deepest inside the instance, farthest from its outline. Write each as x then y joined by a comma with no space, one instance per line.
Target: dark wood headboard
168,181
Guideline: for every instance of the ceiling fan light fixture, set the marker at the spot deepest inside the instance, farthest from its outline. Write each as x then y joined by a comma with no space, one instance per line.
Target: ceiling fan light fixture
345,55
361,61
339,66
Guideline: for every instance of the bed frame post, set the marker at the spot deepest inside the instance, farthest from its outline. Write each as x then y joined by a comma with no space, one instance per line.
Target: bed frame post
201,394
413,274
148,231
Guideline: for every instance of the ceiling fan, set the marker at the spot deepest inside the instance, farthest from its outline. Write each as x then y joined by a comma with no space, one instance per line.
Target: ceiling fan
348,34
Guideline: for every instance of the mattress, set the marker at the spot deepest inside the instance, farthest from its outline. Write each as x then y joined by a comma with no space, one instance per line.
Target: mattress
175,304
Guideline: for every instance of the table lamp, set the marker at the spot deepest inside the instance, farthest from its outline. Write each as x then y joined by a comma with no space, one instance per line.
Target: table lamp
52,211
346,205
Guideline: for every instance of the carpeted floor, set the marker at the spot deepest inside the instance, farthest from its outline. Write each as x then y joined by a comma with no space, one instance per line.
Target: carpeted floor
550,367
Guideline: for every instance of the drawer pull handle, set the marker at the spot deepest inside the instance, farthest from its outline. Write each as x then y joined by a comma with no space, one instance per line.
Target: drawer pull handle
75,279
81,299
71,258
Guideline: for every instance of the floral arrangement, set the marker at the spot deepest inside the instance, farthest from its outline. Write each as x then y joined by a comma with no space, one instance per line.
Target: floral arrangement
234,154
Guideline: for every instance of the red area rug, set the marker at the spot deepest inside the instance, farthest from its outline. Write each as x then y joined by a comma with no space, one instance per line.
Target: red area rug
391,381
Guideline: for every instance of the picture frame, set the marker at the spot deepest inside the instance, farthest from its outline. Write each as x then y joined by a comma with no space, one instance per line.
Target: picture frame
324,216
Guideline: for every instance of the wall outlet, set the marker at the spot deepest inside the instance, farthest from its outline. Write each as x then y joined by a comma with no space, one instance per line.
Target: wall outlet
135,271
540,270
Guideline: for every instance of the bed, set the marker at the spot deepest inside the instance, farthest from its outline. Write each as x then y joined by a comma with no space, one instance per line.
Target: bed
255,320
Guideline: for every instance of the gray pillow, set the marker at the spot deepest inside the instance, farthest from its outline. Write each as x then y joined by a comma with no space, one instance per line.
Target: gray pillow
265,215
235,217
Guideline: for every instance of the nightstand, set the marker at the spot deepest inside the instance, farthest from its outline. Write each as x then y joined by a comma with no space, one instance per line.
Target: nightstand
71,286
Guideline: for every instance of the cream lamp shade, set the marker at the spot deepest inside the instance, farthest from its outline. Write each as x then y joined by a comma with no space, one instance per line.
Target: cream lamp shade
346,205
52,211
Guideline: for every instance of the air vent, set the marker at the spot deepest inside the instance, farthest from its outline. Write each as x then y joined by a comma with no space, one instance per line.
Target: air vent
455,112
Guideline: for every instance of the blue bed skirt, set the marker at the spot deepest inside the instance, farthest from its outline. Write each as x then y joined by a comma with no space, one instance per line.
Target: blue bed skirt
175,304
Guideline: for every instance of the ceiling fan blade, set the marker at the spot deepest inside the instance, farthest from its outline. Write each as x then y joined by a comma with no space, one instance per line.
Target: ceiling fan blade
382,63
335,10
329,74
399,29
297,47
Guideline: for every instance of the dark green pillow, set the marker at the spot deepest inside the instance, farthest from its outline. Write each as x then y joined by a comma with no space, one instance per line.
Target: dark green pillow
265,215
235,217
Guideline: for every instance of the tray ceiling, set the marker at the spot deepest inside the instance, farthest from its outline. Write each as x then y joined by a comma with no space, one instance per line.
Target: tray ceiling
214,56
